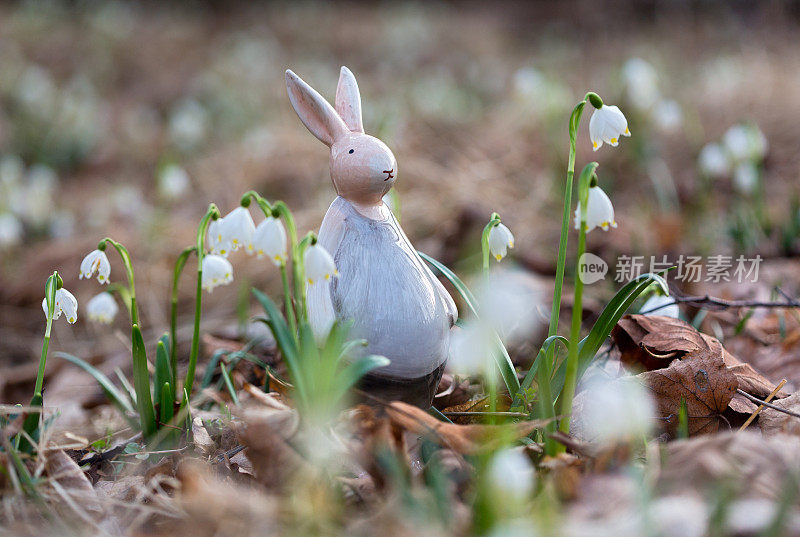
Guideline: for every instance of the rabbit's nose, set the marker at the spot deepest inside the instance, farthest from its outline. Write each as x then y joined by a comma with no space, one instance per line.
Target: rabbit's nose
388,174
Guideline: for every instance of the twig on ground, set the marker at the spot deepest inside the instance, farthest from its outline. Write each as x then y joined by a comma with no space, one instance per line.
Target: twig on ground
767,399
766,404
714,303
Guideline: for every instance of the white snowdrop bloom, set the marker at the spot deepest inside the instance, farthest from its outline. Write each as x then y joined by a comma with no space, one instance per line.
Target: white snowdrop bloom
37,91
668,115
750,516
10,230
745,177
269,240
216,245
319,264
216,271
666,306
66,303
102,308
188,124
500,240
173,182
96,262
237,229
737,142
607,124
34,203
614,410
511,472
713,161
470,350
679,516
510,302
745,142
641,82
599,212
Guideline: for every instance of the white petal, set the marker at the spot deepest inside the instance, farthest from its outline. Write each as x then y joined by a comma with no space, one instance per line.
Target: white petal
237,229
319,264
216,271
68,305
102,308
269,240
500,239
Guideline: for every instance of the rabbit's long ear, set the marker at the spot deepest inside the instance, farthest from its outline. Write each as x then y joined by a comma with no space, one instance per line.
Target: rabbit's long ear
348,100
314,111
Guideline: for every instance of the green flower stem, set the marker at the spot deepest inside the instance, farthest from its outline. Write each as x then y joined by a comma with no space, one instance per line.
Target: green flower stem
180,263
283,211
211,213
571,379
287,297
545,373
50,294
300,275
126,261
493,221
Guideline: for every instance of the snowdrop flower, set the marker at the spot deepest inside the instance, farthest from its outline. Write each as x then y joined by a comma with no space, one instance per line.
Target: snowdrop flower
102,308
96,261
214,238
65,303
237,229
269,240
745,177
510,302
713,161
173,181
188,124
641,81
615,410
500,240
737,141
10,230
668,115
599,212
607,124
666,306
510,471
319,264
470,348
216,271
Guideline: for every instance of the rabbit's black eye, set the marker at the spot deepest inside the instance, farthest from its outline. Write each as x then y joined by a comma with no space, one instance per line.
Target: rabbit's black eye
351,151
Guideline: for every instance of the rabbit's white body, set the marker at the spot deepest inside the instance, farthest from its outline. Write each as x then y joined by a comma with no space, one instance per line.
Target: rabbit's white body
385,288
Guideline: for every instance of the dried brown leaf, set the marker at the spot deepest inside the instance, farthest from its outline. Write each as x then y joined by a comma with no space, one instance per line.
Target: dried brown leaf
653,341
265,432
703,381
66,472
773,422
464,439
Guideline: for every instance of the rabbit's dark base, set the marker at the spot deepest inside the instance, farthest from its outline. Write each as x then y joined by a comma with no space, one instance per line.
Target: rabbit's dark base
418,391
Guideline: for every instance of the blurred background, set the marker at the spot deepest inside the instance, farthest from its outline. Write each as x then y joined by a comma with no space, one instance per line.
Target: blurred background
126,119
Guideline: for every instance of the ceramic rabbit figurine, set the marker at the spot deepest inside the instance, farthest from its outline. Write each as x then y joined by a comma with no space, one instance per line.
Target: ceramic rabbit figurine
384,287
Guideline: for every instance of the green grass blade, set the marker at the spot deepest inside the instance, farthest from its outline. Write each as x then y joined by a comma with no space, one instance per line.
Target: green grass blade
31,425
353,371
141,383
208,376
229,384
531,374
112,392
166,408
460,286
500,355
285,340
163,371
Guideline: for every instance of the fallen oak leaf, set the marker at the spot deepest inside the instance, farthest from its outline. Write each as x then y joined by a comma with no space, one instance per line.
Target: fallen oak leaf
72,480
703,381
464,439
